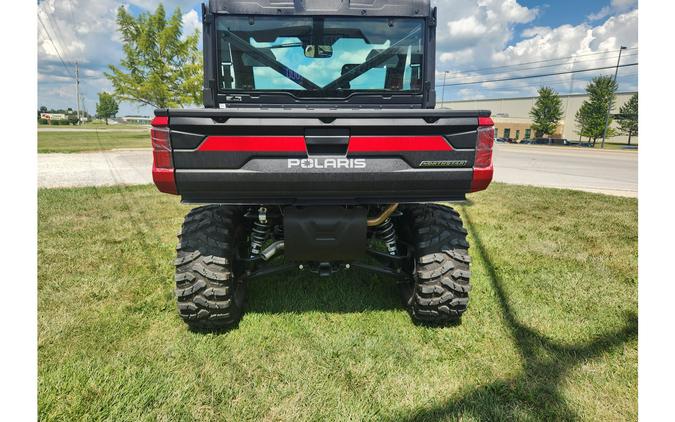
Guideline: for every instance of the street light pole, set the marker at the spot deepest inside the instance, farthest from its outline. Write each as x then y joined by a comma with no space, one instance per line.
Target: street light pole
609,103
443,94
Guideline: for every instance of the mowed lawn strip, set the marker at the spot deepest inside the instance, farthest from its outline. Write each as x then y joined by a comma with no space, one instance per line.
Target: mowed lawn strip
550,333
87,141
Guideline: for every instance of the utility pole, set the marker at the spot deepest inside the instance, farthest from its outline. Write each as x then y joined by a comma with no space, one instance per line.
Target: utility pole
443,95
609,103
84,106
77,89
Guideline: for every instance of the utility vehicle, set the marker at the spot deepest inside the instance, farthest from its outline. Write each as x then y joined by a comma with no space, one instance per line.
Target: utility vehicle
320,149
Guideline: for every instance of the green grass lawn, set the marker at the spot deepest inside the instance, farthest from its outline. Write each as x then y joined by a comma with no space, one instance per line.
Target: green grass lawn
74,141
612,146
97,125
551,331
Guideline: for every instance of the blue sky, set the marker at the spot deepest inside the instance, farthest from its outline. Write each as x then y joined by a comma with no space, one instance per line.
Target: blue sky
472,34
560,12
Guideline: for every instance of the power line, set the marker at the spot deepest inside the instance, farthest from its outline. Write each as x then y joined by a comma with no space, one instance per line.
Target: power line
539,76
554,83
563,82
537,61
542,67
53,22
56,48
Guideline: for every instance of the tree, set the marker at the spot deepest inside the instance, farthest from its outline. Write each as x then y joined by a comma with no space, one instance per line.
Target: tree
106,107
546,112
628,117
160,68
592,115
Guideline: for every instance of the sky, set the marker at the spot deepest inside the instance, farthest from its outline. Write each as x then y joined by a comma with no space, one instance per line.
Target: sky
478,41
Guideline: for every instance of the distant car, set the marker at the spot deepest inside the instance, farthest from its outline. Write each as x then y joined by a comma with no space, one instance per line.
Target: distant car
562,141
501,140
552,141
525,142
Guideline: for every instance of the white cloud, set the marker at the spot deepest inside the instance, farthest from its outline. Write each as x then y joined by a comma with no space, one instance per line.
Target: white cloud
539,44
615,7
623,5
601,14
191,23
86,31
471,31
169,5
471,34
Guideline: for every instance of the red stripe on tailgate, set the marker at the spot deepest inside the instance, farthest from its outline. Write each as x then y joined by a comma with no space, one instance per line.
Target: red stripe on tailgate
254,143
398,143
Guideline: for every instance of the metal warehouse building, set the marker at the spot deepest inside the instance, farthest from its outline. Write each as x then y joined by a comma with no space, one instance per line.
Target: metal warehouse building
512,115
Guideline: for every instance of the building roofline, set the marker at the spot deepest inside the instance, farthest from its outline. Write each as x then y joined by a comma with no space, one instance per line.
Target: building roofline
527,98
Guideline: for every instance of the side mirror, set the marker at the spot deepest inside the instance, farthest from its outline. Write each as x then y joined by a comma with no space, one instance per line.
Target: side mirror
319,51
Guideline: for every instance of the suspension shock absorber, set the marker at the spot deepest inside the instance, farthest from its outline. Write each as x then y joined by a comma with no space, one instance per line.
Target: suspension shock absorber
260,232
387,232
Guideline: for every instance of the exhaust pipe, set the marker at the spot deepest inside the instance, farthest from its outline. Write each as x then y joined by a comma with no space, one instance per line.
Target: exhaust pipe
372,222
272,250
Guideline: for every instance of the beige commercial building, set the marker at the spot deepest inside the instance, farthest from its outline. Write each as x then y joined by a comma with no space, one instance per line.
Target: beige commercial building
512,115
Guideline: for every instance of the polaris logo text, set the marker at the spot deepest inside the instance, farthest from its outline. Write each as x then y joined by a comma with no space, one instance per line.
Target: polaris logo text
327,163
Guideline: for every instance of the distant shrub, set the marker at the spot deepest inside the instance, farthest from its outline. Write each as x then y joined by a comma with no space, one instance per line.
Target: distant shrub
43,121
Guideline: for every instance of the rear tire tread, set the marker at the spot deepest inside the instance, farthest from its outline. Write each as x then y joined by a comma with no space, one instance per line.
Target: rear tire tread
206,288
440,293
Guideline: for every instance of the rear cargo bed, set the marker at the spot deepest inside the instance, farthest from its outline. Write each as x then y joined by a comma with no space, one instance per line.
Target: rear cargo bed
308,156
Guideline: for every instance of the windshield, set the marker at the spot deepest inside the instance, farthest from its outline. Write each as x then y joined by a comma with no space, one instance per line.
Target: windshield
319,56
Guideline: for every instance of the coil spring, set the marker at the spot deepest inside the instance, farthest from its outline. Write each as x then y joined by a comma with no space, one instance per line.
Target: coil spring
279,232
259,235
387,233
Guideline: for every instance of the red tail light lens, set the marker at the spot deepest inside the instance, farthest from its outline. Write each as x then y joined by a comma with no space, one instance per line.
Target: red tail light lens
486,140
483,168
162,166
161,147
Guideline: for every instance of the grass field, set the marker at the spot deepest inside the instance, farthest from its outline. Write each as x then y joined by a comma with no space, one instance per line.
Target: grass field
551,331
97,125
74,141
611,146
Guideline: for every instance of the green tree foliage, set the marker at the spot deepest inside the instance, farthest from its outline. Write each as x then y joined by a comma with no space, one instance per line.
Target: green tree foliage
546,112
106,107
592,115
628,117
72,119
160,67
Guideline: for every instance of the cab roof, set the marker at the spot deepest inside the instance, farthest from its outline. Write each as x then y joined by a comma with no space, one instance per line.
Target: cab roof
388,8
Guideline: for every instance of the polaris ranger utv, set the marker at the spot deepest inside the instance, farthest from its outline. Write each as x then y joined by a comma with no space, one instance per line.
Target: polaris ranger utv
319,149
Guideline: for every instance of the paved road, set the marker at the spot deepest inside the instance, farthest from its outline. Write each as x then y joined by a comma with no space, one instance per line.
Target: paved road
108,129
611,172
130,167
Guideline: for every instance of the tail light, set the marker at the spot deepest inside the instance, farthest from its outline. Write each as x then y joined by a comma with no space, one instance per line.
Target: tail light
162,165
483,168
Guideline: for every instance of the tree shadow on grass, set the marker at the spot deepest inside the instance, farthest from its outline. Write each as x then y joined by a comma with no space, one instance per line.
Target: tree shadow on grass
535,393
